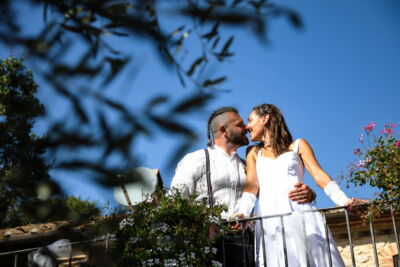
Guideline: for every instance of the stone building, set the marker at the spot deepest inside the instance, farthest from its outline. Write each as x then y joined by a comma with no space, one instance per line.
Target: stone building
383,236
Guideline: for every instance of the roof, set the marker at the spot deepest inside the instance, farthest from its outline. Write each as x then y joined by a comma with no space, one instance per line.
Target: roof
46,231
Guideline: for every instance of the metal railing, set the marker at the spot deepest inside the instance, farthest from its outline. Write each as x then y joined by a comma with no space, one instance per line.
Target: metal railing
17,254
21,256
324,211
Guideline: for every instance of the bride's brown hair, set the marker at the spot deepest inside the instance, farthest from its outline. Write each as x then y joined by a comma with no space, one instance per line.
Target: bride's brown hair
280,137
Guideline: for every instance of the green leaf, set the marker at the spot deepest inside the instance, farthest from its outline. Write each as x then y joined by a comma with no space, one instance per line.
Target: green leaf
208,83
194,65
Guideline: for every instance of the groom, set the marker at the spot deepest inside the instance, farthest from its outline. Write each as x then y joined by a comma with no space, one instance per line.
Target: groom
226,133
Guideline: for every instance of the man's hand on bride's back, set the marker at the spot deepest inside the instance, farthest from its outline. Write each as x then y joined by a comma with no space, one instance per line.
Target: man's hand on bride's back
302,194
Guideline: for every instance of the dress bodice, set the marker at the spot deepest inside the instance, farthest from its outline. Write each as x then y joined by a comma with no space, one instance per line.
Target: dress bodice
276,177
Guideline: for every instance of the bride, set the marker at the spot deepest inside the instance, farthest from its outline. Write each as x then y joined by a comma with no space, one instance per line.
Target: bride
273,167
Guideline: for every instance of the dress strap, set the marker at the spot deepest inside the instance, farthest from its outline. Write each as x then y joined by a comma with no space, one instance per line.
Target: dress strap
296,146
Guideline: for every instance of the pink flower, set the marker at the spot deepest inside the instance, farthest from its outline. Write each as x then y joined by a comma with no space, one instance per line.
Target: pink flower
387,131
392,125
361,164
369,127
350,208
397,143
357,151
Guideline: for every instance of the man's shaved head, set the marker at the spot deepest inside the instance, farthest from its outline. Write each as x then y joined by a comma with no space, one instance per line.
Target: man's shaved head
217,118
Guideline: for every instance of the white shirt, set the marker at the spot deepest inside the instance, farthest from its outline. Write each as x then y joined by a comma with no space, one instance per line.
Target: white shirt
227,177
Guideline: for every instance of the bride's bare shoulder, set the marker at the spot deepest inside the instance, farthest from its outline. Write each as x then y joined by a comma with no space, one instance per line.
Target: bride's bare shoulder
253,150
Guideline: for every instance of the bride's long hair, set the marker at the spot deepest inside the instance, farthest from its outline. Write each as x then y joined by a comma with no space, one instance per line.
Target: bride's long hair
280,137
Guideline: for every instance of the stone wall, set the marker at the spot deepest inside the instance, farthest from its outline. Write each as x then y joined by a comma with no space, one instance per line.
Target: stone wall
364,253
385,240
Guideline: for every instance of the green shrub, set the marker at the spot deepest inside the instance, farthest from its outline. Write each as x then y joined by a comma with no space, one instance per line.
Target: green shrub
172,231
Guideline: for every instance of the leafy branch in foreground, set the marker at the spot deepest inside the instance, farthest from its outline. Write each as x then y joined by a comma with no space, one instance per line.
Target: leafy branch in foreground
82,48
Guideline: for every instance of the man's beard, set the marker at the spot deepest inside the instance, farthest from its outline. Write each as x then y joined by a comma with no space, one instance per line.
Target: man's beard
237,139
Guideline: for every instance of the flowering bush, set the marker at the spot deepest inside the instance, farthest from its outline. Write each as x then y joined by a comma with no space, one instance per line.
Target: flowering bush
378,164
172,232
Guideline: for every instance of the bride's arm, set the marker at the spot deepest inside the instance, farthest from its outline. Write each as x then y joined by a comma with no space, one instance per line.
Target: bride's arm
322,179
251,184
250,190
306,153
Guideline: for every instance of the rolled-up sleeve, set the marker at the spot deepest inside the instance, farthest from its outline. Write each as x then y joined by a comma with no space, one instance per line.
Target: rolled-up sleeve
188,173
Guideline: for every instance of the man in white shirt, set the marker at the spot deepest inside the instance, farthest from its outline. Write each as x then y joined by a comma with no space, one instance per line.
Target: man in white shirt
228,133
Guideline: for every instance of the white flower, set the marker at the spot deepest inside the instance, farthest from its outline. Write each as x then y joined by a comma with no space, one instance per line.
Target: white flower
110,237
213,219
126,222
214,250
216,264
206,250
133,240
161,227
170,262
193,255
163,241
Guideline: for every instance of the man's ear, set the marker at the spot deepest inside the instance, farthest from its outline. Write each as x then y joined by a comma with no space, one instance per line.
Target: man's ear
222,129
265,119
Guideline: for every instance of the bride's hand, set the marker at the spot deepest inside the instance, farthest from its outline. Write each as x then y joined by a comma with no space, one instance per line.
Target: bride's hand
355,201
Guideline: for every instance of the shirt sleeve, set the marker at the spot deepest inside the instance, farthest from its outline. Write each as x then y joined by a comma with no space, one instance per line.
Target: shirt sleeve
188,173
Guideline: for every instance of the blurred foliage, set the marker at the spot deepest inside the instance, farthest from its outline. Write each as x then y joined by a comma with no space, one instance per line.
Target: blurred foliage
378,165
173,231
27,194
76,209
76,52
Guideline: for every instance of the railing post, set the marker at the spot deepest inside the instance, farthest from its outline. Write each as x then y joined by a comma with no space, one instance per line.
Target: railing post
70,257
284,241
371,228
328,243
395,234
15,259
107,252
263,242
243,247
223,252
305,238
353,260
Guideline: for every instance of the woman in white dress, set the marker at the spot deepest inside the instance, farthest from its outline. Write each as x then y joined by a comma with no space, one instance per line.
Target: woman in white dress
273,168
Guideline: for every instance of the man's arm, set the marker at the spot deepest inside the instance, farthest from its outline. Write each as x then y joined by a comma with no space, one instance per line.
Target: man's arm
302,194
187,174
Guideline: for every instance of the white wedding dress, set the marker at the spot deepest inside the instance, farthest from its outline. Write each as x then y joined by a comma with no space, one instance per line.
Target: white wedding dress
304,232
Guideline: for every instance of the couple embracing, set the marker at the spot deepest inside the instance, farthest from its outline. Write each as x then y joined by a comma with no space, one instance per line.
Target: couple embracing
273,172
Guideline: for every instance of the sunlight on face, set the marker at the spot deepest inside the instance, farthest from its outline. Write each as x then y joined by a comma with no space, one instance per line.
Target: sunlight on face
255,127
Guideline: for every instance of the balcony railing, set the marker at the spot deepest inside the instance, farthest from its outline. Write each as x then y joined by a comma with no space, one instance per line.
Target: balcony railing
20,256
324,212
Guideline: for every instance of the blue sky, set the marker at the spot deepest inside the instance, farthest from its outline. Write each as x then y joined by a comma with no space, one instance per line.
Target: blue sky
337,74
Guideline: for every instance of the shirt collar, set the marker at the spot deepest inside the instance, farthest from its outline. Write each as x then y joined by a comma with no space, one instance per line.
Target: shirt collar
223,152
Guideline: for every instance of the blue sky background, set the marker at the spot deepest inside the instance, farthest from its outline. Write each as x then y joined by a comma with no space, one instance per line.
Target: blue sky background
337,74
